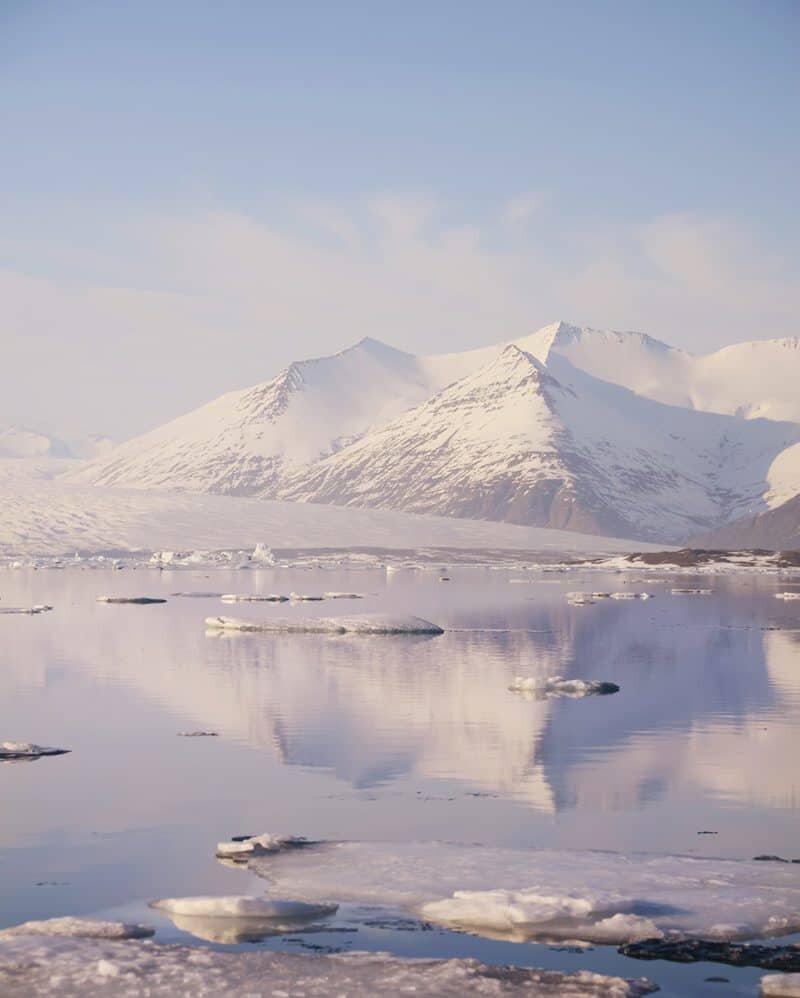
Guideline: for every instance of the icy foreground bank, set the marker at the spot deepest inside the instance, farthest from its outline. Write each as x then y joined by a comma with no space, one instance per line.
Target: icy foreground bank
89,968
367,623
525,894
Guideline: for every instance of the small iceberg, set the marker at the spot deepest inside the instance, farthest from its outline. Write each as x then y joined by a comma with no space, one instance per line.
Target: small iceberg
242,906
243,848
690,592
344,596
239,919
377,623
787,595
36,608
27,750
630,596
305,598
79,928
198,595
253,598
198,734
137,600
559,687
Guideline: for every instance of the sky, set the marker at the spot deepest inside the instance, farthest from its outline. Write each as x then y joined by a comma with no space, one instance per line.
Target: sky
193,194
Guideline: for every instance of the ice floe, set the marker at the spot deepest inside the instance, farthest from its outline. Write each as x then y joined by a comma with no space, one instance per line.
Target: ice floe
245,846
137,600
690,592
28,750
37,608
344,596
305,598
539,687
253,598
198,734
368,623
79,928
787,596
91,968
241,906
548,894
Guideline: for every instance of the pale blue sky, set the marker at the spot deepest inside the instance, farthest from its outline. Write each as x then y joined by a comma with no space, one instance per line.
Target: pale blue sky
194,193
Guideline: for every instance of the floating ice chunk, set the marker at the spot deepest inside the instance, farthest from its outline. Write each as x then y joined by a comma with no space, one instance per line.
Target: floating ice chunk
253,598
27,750
787,595
198,734
630,596
198,595
579,599
138,600
548,894
344,596
690,592
258,845
263,555
241,906
91,968
498,912
305,598
781,985
368,623
85,928
276,625
558,686
36,608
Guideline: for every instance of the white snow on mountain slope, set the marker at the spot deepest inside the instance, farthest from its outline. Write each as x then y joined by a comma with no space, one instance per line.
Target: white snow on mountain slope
752,380
512,442
243,442
56,518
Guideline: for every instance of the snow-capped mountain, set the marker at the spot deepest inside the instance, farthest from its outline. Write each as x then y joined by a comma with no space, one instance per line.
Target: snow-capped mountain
552,446
577,427
245,442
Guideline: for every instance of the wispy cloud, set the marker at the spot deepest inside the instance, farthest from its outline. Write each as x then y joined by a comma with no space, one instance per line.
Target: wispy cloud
225,299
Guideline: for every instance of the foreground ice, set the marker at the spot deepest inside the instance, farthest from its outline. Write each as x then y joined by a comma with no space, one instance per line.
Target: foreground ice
28,750
560,687
552,895
254,598
79,928
781,985
100,969
368,623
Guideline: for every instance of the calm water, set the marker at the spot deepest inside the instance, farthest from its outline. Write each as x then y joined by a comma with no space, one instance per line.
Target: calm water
389,738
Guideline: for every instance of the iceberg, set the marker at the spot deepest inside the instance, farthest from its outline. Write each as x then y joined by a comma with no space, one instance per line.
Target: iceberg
28,750
36,608
246,846
253,598
137,600
368,623
560,687
79,928
241,906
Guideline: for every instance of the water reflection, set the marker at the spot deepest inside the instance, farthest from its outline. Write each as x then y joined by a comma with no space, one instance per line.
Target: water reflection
707,713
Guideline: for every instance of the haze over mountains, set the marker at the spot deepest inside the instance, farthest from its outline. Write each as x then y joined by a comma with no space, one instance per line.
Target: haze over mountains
583,429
